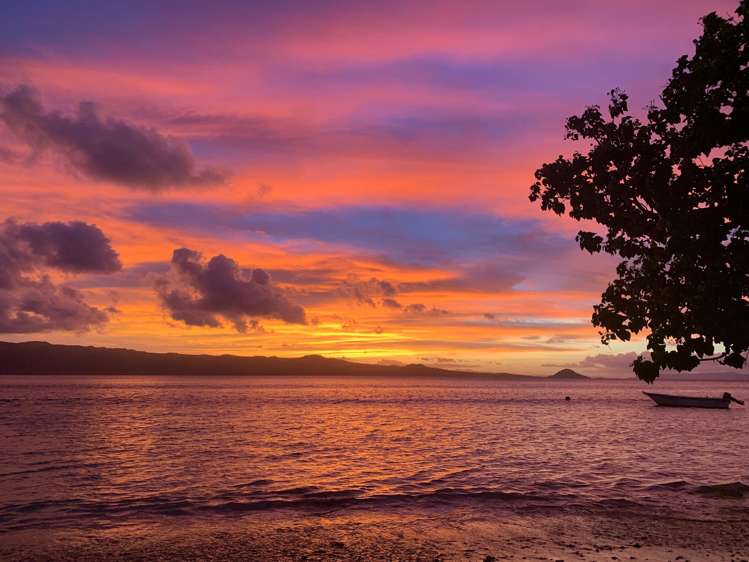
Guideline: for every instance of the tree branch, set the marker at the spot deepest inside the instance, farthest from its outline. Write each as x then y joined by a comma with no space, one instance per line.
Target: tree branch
721,356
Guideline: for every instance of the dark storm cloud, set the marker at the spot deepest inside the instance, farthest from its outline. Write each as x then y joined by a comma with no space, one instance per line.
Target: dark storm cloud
202,294
104,149
29,300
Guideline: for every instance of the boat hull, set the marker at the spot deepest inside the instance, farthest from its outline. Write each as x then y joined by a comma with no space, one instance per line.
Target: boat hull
689,401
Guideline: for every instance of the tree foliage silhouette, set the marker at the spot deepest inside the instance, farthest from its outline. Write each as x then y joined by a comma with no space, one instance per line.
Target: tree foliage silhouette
671,196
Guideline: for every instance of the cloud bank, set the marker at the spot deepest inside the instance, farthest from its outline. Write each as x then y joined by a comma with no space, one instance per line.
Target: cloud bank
481,251
201,293
620,365
29,300
104,149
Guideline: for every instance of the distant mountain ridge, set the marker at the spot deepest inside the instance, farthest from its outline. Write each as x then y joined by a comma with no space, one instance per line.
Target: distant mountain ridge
42,358
568,374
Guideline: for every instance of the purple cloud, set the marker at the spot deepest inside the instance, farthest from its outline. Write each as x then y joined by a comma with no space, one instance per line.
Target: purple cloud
428,236
104,149
367,292
29,300
620,365
202,294
423,310
391,303
43,306
74,247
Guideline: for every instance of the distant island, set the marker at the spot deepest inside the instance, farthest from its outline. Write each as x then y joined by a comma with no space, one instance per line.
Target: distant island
568,374
42,358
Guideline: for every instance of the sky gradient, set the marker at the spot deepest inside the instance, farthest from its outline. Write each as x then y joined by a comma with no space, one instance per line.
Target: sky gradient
287,178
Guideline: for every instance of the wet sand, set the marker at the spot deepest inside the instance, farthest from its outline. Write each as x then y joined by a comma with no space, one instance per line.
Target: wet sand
414,533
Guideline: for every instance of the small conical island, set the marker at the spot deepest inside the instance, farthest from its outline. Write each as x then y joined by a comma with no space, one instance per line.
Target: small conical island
568,374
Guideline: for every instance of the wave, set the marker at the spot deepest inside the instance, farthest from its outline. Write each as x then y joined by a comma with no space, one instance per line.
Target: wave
47,467
58,513
346,498
674,485
736,490
293,498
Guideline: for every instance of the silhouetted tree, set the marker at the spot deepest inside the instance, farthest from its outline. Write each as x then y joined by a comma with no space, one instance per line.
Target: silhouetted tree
671,196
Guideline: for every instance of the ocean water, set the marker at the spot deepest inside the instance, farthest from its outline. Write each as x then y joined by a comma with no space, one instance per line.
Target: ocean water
79,451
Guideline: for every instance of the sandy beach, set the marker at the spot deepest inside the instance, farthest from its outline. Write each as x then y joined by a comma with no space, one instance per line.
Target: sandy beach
445,533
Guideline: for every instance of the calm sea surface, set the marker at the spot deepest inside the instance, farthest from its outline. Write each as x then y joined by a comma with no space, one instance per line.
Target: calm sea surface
101,449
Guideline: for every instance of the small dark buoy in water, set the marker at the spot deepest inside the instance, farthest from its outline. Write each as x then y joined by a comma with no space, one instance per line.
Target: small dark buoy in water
567,398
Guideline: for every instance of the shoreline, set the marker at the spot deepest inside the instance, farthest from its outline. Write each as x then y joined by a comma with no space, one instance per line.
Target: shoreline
443,533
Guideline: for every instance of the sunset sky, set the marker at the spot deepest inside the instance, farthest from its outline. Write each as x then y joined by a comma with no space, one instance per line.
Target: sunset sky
289,178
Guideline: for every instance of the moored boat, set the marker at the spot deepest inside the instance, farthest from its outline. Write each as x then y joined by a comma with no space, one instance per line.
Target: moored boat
724,402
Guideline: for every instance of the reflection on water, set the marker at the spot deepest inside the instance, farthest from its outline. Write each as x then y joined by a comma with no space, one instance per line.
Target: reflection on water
105,449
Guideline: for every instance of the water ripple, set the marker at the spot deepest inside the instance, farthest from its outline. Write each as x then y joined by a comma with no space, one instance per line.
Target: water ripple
105,449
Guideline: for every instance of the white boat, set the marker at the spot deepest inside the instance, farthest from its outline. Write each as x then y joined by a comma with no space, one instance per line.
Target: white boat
670,400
